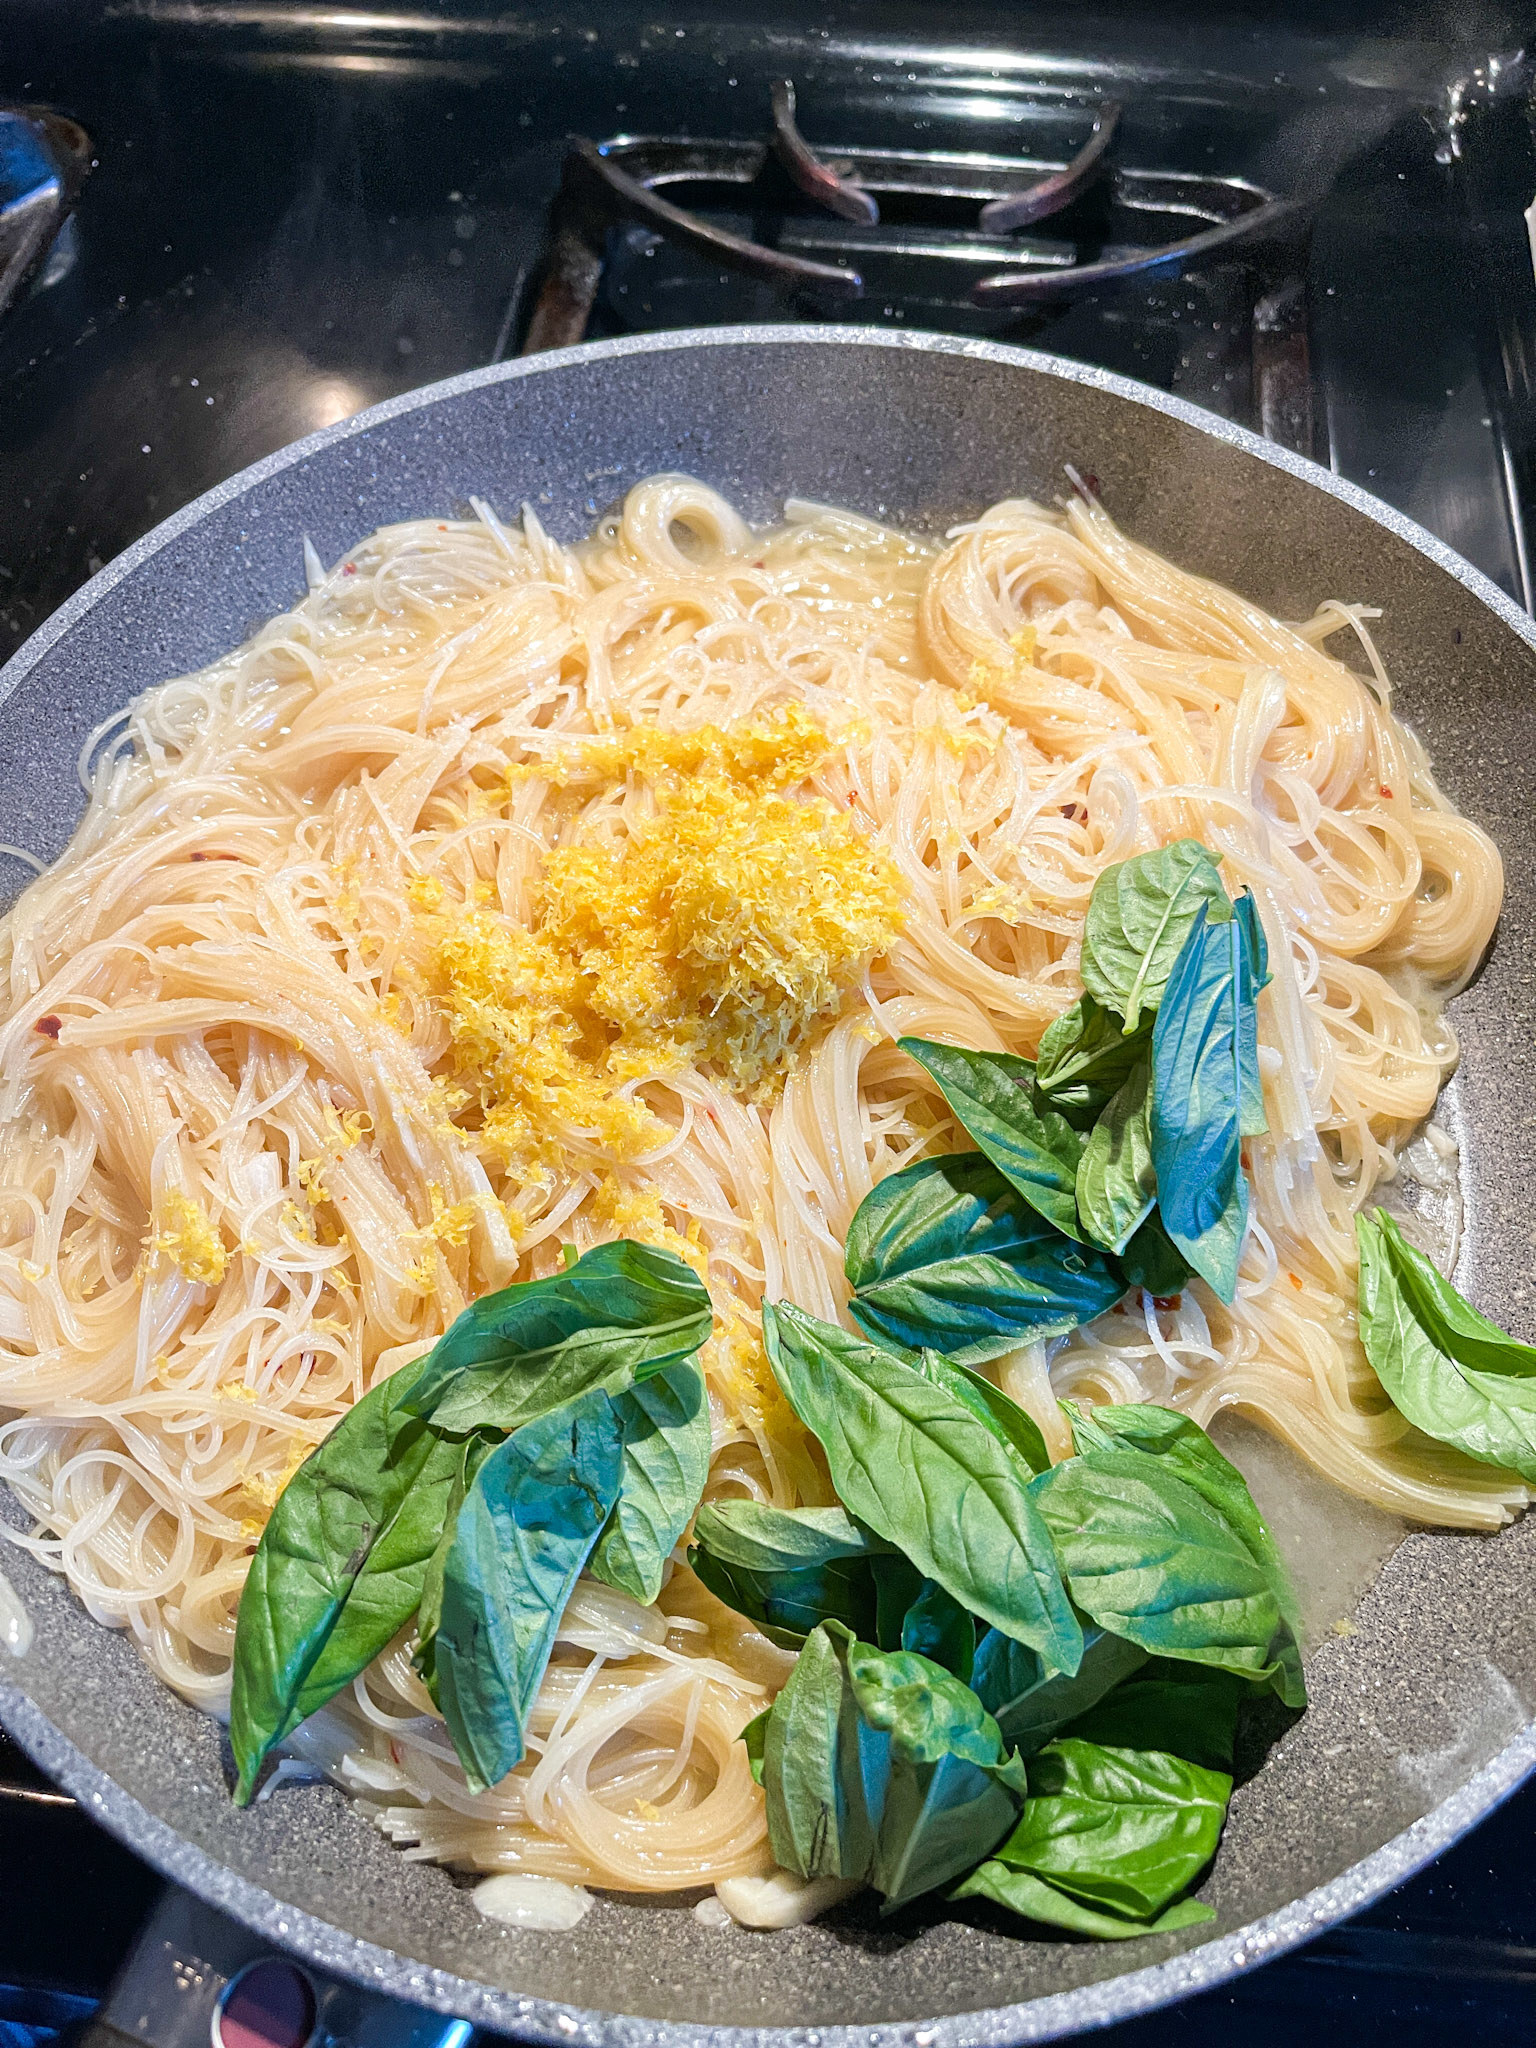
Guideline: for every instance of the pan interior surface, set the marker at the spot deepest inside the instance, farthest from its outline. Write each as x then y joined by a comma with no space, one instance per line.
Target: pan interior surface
1434,1674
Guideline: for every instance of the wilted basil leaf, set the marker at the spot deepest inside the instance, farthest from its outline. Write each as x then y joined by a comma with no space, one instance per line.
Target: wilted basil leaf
1138,917
1446,1367
1123,1830
1187,1710
937,1627
920,1469
1030,1707
339,1568
1153,1261
526,1529
473,1453
788,1568
991,1093
1198,1062
948,1254
665,1420
1086,1057
824,1768
1256,975
622,1311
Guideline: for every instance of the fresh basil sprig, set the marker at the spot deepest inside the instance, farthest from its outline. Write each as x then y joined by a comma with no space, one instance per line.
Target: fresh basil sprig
948,1255
1121,1832
624,1310
1139,916
339,1569
1444,1365
992,1093
527,1527
919,1468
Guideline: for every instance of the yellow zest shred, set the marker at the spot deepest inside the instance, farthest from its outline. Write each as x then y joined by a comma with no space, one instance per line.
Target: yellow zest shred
724,930
186,1236
775,752
637,1212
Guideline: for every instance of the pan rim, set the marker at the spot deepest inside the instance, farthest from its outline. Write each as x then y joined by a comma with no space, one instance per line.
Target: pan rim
548,2021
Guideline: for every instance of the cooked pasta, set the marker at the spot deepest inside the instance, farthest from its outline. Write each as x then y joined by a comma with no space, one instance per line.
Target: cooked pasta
503,896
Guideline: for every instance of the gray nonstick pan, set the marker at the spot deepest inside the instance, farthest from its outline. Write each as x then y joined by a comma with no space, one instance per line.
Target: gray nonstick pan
1421,1715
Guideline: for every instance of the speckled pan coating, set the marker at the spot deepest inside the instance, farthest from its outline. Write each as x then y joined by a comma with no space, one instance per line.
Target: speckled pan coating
1421,1719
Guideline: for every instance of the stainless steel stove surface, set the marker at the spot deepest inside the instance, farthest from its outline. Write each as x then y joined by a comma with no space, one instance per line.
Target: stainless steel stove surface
1308,218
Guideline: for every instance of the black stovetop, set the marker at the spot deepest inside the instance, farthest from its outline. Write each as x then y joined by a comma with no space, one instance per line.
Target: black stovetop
298,210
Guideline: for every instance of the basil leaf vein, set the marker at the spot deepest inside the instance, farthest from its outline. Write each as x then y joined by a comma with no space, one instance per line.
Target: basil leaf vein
1035,1150
1139,915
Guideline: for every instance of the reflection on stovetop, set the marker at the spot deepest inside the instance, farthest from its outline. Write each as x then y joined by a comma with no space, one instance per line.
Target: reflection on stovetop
296,211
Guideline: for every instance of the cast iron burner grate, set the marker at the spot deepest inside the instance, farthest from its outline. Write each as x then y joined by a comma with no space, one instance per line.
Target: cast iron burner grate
960,240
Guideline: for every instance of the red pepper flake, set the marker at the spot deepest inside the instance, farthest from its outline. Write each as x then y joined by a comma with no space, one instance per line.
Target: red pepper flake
50,1026
1294,1278
441,527
761,563
1167,1300
1247,1162
1076,812
349,569
198,853
1385,791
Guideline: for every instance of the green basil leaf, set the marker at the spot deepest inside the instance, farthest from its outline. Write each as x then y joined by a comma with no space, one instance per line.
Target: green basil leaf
525,1531
947,1254
1255,975
1116,1185
951,1789
1032,1899
1445,1367
924,1473
1035,1150
787,1569
822,1767
1148,1558
1123,1830
665,1420
1153,1261
1198,1061
937,1627
339,1568
990,1405
1187,1710
755,1737
1187,1451
1030,1707
622,1311
473,1453
1138,918
898,1588
1086,1057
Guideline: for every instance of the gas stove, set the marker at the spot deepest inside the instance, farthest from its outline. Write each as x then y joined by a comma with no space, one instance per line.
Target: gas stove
224,223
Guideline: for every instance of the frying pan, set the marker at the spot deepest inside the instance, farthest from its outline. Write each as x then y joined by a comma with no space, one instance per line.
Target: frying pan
1420,1721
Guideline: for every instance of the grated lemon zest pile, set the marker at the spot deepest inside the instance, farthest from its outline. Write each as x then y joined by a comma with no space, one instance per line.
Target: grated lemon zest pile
723,931
188,1238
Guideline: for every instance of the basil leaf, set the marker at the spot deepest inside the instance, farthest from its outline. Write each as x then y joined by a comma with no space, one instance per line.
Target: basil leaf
991,1093
990,1406
1086,1056
1138,918
920,1469
755,1736
1186,1710
1446,1368
665,1420
1198,1062
1148,1558
948,1254
1123,1830
339,1568
473,1453
898,1588
1255,975
1028,1706
1188,1451
622,1311
1153,1261
822,1767
937,1627
1032,1899
526,1529
951,1789
787,1569
1116,1185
